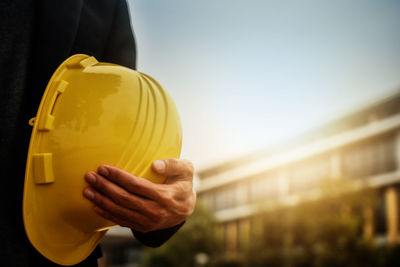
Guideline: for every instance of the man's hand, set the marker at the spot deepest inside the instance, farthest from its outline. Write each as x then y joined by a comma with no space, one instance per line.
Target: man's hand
139,204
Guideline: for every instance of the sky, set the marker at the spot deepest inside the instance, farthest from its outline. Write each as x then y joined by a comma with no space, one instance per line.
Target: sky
247,74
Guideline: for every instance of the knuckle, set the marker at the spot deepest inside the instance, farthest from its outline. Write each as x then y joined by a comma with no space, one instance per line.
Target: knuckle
124,198
155,216
184,211
188,189
121,213
133,181
99,201
186,208
139,205
100,184
113,173
185,168
118,175
189,166
173,161
156,194
167,198
163,215
171,164
107,171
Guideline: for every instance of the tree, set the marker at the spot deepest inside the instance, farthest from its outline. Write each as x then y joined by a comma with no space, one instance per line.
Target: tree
195,244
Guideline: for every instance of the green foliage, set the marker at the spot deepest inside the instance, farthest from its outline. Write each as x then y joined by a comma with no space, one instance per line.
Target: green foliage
327,232
323,233
196,236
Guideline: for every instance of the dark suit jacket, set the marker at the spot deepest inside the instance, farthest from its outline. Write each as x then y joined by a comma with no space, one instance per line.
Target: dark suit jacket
100,28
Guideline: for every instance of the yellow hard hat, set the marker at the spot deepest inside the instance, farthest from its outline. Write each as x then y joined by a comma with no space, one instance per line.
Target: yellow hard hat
91,113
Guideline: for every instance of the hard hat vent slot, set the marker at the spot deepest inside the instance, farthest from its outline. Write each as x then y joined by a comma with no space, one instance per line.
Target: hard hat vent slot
55,102
46,117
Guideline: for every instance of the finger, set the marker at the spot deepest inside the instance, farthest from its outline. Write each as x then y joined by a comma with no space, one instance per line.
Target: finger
137,225
106,215
113,191
112,208
142,226
122,197
174,167
131,183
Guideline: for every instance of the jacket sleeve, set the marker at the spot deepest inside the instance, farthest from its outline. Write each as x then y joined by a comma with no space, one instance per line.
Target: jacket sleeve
121,49
156,238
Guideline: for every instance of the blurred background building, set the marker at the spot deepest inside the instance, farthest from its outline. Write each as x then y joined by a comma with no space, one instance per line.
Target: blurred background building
362,147
120,249
248,74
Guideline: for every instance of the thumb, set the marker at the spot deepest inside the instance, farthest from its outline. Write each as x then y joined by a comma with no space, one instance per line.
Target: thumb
174,167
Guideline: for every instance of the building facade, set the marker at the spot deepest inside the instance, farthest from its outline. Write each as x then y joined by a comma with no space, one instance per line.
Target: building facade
362,147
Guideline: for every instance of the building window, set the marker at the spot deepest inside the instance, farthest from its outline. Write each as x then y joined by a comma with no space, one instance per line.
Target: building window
264,187
242,193
225,197
308,174
380,215
370,158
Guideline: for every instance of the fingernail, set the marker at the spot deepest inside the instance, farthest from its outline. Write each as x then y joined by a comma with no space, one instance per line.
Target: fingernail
88,193
159,165
90,178
103,171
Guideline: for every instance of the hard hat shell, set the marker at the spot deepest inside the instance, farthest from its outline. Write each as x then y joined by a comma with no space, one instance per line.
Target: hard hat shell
91,114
